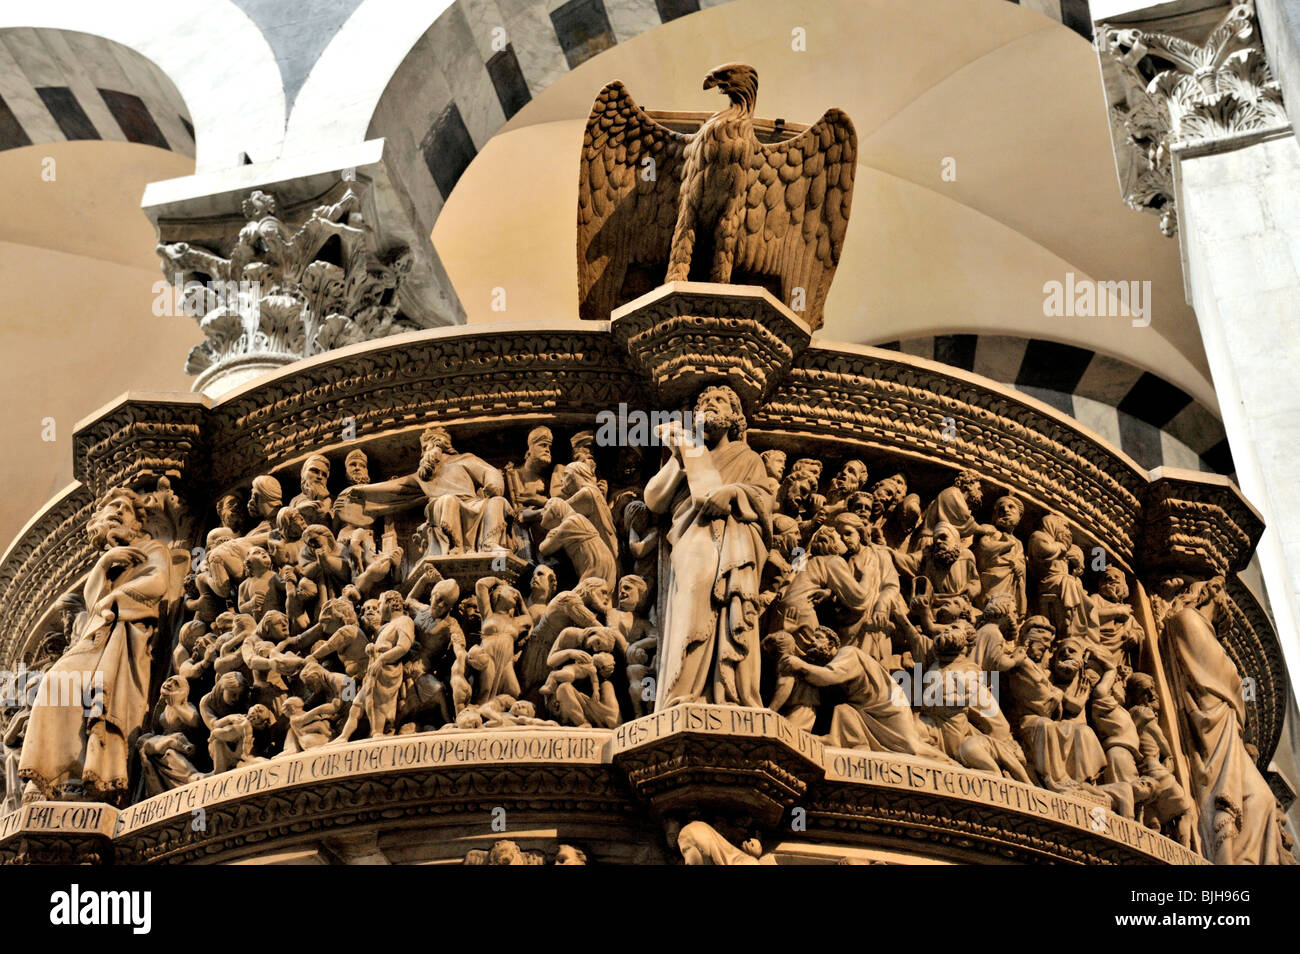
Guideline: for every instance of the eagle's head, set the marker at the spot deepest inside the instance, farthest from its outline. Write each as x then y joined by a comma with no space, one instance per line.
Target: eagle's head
738,80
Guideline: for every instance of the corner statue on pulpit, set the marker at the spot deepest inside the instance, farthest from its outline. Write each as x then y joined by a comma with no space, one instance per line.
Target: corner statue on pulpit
714,486
92,703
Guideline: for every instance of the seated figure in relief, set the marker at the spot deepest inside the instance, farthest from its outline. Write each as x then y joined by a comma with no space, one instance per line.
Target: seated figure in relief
1050,700
463,498
875,714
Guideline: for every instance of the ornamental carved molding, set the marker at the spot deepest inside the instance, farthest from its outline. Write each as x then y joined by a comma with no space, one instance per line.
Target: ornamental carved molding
433,376
968,832
680,579
365,798
393,799
686,333
133,443
1167,91
1247,635
1198,526
894,411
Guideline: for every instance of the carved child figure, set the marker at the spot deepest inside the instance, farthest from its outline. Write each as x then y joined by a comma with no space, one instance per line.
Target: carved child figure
231,738
1168,803
166,753
642,542
308,728
579,654
575,656
259,591
336,634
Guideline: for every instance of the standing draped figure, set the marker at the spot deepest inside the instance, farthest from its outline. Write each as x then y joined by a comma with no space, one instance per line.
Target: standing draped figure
716,489
1239,821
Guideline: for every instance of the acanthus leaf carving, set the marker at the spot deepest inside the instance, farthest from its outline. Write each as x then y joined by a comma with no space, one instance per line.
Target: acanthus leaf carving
1167,91
288,291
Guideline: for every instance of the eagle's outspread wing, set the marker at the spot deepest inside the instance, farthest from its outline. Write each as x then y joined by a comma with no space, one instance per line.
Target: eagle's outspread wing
797,201
627,208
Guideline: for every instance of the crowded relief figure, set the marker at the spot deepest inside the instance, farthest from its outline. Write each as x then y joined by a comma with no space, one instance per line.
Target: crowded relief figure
921,613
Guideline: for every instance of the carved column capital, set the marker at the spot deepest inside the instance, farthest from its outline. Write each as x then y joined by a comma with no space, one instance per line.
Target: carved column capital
291,258
274,284
1197,523
1180,81
135,441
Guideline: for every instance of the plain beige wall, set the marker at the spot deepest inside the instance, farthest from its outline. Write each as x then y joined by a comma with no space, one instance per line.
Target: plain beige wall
77,268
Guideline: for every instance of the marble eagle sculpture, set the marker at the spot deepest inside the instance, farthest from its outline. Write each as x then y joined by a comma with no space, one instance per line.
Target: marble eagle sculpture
718,205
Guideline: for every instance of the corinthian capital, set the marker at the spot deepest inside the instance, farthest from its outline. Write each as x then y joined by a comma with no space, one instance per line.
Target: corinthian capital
1176,88
291,284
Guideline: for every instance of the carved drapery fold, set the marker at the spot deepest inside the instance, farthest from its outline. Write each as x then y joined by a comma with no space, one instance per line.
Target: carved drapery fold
834,404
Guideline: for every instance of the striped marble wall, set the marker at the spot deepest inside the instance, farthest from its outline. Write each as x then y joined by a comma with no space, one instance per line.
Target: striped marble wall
1154,422
547,39
454,91
1073,13
58,85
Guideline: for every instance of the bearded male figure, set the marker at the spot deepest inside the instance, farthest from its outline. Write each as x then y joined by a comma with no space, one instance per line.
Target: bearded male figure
717,493
1001,557
314,500
528,481
466,509
1239,823
79,742
950,569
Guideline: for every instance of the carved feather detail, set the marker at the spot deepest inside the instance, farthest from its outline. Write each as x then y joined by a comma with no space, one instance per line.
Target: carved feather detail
655,205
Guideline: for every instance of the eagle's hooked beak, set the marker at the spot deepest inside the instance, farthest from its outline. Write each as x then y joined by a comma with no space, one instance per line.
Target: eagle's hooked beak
712,80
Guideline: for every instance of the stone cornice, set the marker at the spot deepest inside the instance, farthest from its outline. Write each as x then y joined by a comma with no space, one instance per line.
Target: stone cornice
601,781
139,438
